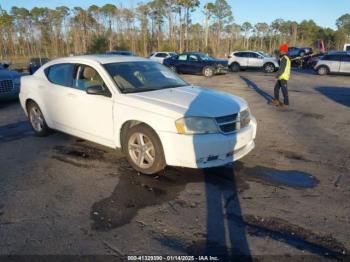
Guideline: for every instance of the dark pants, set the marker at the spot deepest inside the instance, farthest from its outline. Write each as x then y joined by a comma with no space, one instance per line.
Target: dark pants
282,84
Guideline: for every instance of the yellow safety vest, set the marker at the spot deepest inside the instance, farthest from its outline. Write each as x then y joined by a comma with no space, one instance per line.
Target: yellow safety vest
286,73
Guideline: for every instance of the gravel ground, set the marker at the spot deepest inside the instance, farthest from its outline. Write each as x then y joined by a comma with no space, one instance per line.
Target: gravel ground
288,199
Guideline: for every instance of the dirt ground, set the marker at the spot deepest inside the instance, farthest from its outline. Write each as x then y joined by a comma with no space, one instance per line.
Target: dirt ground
287,200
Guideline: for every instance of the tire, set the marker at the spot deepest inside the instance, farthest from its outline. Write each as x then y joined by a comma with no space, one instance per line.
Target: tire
208,71
323,70
269,68
37,120
235,67
135,143
173,68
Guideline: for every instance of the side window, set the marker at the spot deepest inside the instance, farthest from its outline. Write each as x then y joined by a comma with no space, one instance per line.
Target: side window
60,74
182,57
239,54
193,58
254,55
86,76
245,54
346,58
161,55
348,48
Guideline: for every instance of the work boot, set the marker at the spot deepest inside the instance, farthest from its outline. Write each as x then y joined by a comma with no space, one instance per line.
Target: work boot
275,102
284,106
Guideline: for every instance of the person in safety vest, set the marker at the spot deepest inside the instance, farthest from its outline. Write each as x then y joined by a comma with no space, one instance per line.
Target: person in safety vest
283,76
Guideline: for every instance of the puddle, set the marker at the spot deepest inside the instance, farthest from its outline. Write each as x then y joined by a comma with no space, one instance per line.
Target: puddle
136,191
15,131
290,178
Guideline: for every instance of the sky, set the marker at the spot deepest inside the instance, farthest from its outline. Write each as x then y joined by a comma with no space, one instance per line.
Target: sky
323,12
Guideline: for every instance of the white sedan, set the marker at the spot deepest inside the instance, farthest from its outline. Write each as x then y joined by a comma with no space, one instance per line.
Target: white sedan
160,56
140,106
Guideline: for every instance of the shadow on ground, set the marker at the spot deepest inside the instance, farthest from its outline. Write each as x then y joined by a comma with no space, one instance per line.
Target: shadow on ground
339,95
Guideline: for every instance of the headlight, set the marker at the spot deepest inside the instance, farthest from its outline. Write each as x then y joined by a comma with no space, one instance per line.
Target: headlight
245,118
196,125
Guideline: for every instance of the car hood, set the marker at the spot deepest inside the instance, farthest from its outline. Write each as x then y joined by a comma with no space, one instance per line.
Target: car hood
270,59
6,74
187,101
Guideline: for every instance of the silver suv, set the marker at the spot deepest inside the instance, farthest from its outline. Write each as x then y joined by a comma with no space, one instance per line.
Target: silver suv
338,62
251,59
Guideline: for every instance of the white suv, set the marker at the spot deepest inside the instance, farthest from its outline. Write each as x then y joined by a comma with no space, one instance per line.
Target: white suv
251,59
160,56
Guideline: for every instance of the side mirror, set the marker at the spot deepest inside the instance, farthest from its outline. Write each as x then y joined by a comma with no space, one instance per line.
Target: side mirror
97,90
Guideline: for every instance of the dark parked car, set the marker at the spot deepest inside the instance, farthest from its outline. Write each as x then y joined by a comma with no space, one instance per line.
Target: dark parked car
36,63
9,83
299,51
116,52
196,63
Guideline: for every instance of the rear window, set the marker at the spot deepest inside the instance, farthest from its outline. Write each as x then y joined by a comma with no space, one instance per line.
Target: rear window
60,74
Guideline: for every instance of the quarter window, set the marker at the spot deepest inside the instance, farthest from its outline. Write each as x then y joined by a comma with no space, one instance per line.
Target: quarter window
60,74
161,55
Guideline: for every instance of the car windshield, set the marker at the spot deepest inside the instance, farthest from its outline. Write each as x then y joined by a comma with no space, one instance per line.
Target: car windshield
205,57
141,76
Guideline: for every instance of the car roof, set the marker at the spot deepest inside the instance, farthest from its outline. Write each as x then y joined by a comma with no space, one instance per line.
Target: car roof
101,59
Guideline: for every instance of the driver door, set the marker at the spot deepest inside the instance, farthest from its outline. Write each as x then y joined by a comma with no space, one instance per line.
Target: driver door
91,115
255,60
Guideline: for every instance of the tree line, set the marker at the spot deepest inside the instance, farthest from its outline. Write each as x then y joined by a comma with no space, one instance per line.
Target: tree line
157,25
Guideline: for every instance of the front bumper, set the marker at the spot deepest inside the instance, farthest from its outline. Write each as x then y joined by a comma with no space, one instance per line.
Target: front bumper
211,150
221,70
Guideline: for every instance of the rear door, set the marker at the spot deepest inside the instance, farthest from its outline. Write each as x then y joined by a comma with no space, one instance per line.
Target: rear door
345,64
255,60
56,93
242,58
182,64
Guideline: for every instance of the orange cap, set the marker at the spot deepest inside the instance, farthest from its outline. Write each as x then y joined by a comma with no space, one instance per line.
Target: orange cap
284,48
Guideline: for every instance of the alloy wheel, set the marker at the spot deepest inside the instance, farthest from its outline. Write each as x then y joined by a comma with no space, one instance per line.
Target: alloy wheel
36,118
141,150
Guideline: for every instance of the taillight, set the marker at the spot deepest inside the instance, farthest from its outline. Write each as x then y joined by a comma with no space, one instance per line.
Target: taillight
230,56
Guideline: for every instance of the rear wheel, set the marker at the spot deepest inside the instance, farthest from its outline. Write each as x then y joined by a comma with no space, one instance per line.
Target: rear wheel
269,68
37,120
323,70
235,67
144,150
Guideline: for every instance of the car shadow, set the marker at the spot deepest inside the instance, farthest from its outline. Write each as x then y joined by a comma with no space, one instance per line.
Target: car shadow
340,95
257,89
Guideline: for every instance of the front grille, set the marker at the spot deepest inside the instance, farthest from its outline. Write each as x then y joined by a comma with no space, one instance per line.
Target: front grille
6,86
231,123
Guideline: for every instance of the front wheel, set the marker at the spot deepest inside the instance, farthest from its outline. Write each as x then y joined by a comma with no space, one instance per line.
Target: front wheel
269,68
37,120
173,68
144,150
208,71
